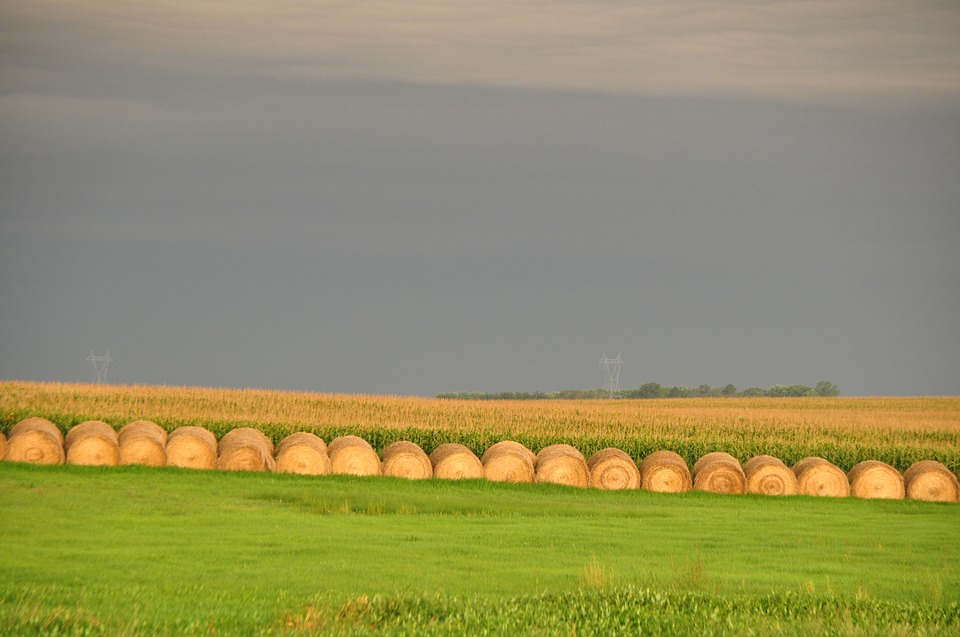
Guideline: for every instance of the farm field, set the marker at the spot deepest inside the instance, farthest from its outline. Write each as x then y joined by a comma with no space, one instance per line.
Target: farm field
898,431
137,550
132,550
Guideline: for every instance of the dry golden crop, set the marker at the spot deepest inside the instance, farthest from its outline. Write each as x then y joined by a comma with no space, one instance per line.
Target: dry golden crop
898,431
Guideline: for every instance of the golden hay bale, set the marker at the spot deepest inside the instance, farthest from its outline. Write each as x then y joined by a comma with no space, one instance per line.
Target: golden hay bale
37,424
819,477
246,449
452,461
303,453
562,464
931,481
3,445
612,469
191,448
37,441
508,461
92,443
354,456
143,442
719,472
303,437
877,480
404,459
666,472
769,476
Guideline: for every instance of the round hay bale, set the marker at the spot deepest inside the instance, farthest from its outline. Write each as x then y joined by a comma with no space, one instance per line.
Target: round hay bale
245,449
665,472
351,455
37,441
3,446
931,481
36,424
92,443
452,461
876,480
508,461
562,464
404,459
819,477
769,476
303,453
191,448
143,442
302,437
612,469
719,472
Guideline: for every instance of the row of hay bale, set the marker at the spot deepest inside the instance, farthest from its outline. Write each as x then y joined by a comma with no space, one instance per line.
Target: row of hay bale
143,442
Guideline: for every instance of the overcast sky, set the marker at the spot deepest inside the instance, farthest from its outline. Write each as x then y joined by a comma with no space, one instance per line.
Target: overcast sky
422,197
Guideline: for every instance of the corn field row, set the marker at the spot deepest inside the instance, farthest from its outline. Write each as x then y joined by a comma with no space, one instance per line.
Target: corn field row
845,431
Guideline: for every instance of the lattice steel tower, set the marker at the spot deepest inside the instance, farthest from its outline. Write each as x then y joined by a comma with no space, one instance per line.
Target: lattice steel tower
100,364
611,366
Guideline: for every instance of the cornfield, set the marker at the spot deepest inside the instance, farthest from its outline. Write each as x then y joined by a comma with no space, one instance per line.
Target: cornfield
845,431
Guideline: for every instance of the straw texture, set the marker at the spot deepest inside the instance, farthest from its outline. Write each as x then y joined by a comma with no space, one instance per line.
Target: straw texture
350,455
666,472
92,443
719,472
768,475
143,442
37,441
611,469
819,477
876,480
508,461
404,459
246,449
562,464
191,448
452,461
303,453
931,481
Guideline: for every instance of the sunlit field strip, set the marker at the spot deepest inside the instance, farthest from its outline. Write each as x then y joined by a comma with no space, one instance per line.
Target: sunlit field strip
901,430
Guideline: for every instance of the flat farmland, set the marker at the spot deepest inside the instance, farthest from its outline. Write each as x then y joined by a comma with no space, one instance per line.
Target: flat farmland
845,431
167,551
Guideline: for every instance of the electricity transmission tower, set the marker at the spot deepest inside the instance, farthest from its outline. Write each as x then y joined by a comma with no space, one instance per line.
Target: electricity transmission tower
612,368
100,364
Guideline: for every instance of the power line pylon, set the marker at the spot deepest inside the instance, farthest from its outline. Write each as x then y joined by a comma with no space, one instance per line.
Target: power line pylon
100,364
611,366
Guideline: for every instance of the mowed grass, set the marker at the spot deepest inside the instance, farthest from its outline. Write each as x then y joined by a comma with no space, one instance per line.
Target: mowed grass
133,550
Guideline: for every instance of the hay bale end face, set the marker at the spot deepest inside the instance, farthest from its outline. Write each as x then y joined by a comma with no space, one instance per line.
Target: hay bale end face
612,469
37,441
3,445
246,449
719,472
452,461
562,464
92,443
404,459
508,461
665,472
191,447
931,481
143,442
819,477
768,475
350,455
303,453
877,480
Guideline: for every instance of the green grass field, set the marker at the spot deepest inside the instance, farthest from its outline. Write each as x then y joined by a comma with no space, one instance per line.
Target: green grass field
162,551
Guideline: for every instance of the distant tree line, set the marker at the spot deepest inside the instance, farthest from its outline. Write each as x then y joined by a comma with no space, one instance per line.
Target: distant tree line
656,390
